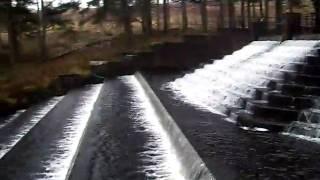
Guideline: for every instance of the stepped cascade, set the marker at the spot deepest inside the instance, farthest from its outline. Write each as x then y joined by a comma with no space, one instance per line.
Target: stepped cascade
265,84
153,125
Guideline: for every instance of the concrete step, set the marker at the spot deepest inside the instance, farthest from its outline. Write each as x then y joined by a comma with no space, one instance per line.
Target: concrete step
250,104
280,100
310,70
259,93
312,90
249,120
262,109
312,60
308,80
290,89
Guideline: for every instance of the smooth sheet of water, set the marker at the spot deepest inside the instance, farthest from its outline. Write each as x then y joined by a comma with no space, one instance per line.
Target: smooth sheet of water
14,135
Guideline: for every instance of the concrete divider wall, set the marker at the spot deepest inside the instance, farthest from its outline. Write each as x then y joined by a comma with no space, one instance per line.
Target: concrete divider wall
183,55
193,166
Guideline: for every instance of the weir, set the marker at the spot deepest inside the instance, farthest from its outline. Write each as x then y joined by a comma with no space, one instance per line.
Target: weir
251,87
193,166
130,127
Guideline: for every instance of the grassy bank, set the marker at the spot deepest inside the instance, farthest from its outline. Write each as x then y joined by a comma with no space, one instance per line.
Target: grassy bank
30,75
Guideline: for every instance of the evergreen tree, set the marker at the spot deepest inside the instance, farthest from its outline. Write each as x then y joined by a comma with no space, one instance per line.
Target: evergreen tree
17,17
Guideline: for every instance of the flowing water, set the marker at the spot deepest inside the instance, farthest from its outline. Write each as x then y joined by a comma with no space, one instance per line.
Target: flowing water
307,127
15,128
103,131
225,83
160,158
113,131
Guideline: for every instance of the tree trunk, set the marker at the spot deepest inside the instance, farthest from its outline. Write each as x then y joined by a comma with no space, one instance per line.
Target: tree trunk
204,16
221,15
126,20
261,8
249,13
105,7
290,5
231,11
12,35
243,18
278,15
158,15
146,16
184,16
165,16
266,13
43,34
254,13
316,4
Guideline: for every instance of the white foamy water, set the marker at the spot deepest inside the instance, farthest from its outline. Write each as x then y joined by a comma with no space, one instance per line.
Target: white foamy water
13,139
225,83
160,159
65,149
307,127
11,118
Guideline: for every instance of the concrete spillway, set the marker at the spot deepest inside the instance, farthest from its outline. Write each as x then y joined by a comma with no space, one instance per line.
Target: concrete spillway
177,125
254,83
105,131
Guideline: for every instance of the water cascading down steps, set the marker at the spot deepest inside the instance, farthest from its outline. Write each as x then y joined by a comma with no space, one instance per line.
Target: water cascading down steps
266,84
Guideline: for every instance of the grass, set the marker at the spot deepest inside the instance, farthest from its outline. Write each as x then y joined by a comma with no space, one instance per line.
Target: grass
30,74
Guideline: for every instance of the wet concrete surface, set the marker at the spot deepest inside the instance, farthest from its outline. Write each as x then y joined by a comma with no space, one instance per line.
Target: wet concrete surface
118,142
30,157
110,146
232,153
